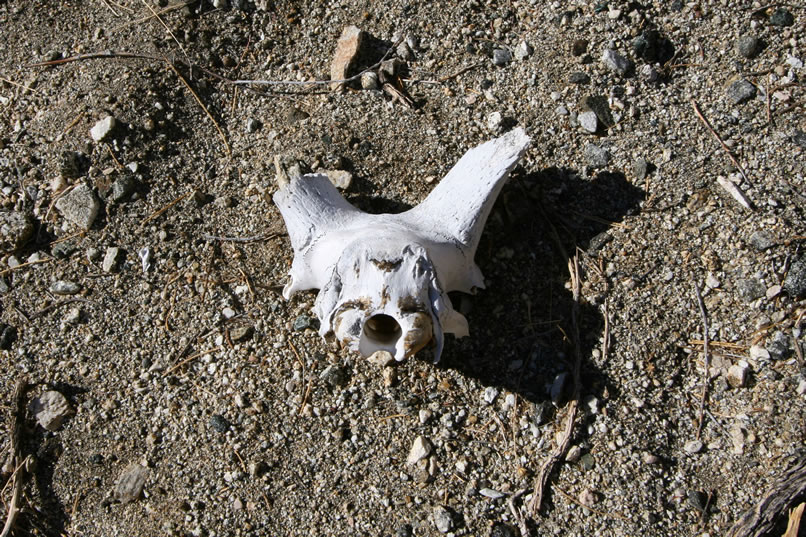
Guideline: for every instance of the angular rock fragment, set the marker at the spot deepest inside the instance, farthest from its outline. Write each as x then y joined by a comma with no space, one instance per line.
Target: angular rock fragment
420,449
129,485
346,56
51,409
80,206
102,129
15,229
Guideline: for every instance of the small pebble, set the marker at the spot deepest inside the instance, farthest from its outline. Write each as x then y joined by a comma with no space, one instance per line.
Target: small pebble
111,259
381,358
420,449
219,423
501,57
443,520
523,51
64,287
597,157
649,458
750,289
103,128
369,80
579,47
779,346
80,206
762,240
737,375
693,446
757,352
795,281
15,229
490,393
494,121
253,125
587,498
578,77
697,499
492,494
640,168
782,17
747,45
340,178
129,485
740,91
51,409
588,121
616,62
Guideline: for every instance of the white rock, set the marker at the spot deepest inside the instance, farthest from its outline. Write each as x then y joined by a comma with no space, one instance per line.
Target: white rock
381,358
588,121
51,409
443,519
494,121
737,375
693,446
615,61
711,281
340,178
758,352
523,51
102,128
110,262
420,449
492,494
490,393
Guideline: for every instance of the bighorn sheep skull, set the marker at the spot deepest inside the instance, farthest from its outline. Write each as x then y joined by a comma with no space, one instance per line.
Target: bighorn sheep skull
384,279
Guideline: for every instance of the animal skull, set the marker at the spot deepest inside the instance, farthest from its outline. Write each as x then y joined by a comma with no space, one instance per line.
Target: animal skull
384,279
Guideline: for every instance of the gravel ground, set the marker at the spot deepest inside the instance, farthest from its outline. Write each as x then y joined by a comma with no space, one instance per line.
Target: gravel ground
184,372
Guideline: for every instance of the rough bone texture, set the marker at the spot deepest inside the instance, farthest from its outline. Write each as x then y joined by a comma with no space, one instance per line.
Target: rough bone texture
384,279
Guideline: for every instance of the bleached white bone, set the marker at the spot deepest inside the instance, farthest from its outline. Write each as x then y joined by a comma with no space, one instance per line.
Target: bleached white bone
384,279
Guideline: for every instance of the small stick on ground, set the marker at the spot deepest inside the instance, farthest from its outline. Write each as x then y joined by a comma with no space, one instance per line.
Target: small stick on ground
25,265
156,15
561,447
793,526
706,359
201,104
159,212
26,88
253,238
719,139
458,73
17,419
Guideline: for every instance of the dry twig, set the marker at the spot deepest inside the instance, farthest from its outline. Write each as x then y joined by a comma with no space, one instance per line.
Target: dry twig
721,142
199,101
17,420
178,44
706,359
159,212
561,447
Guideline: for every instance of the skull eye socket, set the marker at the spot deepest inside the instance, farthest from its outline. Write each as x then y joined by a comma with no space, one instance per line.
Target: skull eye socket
383,329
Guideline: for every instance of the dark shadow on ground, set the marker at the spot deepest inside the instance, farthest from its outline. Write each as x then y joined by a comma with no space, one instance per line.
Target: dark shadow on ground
521,325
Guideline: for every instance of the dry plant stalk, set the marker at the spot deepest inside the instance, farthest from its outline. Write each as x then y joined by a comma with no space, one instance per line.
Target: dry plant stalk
18,462
561,447
706,358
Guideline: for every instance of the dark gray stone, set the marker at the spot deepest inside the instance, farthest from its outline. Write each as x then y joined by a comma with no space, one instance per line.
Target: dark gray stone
795,282
579,47
782,17
697,499
762,240
578,77
219,423
122,188
779,346
740,91
597,157
501,57
502,530
747,45
640,168
8,335
750,289
652,47
304,321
